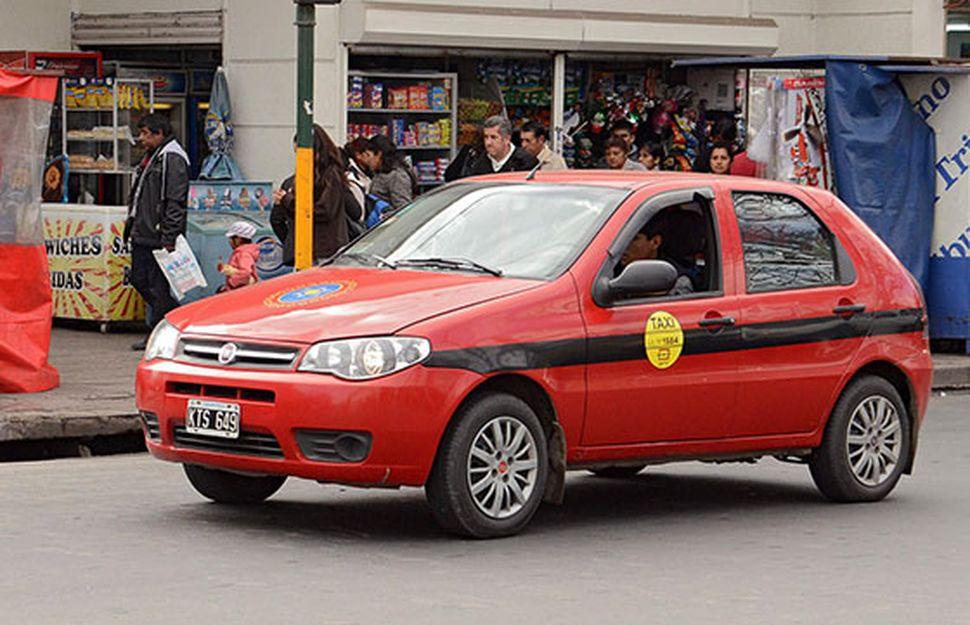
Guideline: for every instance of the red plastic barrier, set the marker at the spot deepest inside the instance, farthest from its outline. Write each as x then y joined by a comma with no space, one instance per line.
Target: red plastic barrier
25,320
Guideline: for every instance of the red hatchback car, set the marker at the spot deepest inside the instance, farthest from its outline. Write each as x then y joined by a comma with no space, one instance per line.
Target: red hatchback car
500,331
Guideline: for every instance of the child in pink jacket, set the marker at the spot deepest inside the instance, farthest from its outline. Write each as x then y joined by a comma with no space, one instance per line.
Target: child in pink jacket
241,268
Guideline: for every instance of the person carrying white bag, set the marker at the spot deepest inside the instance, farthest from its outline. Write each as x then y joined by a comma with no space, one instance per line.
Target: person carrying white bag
156,213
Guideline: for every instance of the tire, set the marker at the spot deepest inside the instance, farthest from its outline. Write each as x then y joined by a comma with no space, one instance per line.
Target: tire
232,488
618,473
844,467
508,479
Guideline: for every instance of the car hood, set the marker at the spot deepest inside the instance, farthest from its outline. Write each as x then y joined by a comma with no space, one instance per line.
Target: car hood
336,302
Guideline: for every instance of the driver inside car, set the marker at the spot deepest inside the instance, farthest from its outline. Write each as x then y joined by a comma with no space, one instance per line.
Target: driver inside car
649,244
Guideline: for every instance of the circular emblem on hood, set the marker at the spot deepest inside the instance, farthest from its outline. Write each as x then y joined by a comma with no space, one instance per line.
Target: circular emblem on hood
310,293
227,353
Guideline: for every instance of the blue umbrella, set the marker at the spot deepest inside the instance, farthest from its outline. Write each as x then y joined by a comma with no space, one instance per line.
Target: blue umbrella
218,134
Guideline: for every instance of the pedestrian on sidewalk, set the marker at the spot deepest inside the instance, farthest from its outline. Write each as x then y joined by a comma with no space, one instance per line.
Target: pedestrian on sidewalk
394,181
240,270
500,154
334,205
535,141
156,213
616,156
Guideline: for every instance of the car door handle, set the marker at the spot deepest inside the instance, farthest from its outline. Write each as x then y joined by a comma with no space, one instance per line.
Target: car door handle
849,309
716,321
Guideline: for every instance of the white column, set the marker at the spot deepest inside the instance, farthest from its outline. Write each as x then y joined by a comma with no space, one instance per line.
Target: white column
558,100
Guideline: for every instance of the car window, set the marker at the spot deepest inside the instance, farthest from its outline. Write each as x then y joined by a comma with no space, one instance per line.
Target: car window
520,230
785,245
682,234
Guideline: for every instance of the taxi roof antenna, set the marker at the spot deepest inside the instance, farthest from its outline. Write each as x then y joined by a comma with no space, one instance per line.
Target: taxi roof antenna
532,174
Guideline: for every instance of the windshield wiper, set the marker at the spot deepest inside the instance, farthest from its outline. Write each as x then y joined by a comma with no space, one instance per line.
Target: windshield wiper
374,258
449,263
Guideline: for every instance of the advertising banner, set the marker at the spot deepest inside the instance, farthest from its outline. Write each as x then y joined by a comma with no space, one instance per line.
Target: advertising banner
90,265
943,102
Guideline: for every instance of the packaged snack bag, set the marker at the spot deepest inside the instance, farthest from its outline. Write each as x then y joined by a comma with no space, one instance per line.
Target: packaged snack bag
439,98
397,131
355,95
433,134
374,95
445,126
397,98
418,97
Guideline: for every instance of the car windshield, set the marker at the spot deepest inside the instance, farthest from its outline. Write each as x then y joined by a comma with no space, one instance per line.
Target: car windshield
532,231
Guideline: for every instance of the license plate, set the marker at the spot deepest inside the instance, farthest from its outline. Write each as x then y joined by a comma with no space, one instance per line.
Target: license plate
212,418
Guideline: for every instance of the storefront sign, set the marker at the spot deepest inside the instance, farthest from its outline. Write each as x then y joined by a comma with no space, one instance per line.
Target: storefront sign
943,101
167,82
90,265
74,64
238,196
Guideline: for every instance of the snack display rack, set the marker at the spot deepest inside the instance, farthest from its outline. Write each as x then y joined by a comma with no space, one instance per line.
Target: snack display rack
97,119
417,111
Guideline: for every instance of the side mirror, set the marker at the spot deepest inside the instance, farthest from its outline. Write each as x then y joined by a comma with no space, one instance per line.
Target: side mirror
642,277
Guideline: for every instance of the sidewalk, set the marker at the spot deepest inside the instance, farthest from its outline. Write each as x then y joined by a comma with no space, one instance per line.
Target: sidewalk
97,394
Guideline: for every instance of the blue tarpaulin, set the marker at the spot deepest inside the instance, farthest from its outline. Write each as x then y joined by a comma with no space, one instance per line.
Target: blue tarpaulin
219,165
883,156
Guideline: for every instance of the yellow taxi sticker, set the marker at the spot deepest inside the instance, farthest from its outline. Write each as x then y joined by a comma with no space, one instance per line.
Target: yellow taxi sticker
663,339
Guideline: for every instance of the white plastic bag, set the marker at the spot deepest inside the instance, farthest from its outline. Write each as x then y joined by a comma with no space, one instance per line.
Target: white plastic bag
180,267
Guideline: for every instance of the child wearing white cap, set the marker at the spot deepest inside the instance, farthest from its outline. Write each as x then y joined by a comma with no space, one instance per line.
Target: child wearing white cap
241,268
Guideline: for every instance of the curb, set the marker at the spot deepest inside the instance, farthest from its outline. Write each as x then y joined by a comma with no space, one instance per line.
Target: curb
951,378
24,427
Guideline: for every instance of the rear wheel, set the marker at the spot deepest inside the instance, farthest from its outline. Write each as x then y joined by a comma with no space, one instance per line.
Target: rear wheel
232,488
618,472
865,445
490,473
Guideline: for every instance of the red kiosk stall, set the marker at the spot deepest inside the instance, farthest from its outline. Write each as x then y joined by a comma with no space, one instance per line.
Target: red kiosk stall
25,290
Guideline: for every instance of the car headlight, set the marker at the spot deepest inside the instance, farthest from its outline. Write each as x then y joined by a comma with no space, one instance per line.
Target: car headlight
365,359
162,342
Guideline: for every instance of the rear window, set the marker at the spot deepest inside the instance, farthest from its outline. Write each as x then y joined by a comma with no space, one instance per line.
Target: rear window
785,245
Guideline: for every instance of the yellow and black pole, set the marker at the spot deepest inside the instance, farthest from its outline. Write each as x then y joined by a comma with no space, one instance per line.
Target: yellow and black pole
303,219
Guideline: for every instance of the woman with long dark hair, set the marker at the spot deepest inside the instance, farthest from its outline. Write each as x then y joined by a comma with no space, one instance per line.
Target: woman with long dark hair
333,203
394,182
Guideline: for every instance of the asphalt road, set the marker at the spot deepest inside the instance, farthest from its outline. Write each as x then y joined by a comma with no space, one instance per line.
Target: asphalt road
124,539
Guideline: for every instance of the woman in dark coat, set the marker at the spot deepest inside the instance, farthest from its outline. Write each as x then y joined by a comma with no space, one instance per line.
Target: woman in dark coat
333,203
394,182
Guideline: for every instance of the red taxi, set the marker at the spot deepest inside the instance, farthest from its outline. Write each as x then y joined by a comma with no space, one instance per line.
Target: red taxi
502,330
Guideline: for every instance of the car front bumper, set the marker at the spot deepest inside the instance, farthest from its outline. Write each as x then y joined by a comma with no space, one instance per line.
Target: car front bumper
404,414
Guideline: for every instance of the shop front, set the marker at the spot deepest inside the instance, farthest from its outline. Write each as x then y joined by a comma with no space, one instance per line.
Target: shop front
575,72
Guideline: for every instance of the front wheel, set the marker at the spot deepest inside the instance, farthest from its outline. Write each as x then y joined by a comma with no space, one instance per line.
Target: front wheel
866,443
490,473
232,488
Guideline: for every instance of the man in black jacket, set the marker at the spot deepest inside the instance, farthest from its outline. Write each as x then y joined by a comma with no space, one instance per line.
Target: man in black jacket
156,212
500,155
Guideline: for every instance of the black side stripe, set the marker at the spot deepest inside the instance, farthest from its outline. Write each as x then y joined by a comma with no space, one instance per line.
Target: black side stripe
626,347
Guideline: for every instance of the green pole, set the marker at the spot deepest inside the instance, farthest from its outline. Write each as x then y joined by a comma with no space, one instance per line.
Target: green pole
303,219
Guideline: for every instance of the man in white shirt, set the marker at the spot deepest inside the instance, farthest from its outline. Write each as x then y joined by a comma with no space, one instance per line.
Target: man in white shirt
534,141
500,155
